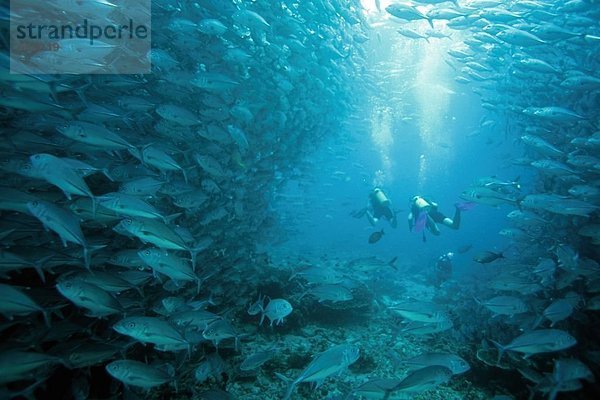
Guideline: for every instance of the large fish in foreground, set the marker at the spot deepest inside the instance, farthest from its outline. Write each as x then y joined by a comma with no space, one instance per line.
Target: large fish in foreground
423,379
136,373
61,221
538,341
484,195
328,363
486,257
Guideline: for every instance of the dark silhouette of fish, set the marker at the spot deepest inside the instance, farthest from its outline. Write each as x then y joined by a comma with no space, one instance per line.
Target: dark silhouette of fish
486,257
464,248
375,236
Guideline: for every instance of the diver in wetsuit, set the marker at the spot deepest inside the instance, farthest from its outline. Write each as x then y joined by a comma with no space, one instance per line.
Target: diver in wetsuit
424,213
380,207
443,269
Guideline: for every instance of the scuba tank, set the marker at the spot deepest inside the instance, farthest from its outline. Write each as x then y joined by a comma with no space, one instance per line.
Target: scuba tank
421,204
381,198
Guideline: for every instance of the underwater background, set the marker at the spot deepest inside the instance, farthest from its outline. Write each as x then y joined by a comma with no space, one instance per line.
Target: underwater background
206,230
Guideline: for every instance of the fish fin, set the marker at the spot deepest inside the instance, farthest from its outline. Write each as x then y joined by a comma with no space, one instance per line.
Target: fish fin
537,322
185,178
137,152
283,377
47,318
518,203
107,174
141,152
170,218
39,264
392,263
193,255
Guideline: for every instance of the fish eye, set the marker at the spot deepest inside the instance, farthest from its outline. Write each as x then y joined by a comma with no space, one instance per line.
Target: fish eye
35,203
147,252
131,325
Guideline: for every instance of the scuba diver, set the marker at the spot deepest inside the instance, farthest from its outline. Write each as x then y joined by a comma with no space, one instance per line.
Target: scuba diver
443,269
424,214
380,207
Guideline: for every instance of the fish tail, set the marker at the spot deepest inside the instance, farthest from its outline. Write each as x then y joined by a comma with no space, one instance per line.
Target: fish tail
185,178
501,350
137,153
193,256
47,318
38,266
170,218
392,263
106,173
518,203
290,388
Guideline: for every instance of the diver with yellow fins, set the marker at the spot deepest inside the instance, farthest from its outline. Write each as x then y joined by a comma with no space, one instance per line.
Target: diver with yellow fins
380,207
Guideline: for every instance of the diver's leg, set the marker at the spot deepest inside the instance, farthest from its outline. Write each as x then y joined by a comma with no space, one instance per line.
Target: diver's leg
453,223
432,226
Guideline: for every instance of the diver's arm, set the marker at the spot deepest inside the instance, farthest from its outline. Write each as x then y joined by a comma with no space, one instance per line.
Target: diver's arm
411,221
371,218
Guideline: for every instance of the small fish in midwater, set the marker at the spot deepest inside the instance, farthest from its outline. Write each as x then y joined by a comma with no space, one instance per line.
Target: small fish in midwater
464,248
375,236
486,257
